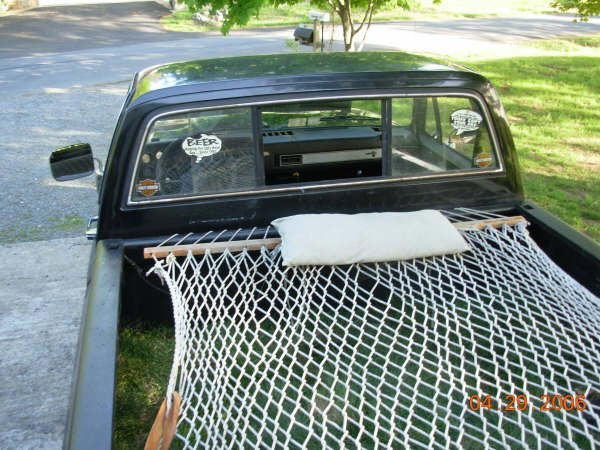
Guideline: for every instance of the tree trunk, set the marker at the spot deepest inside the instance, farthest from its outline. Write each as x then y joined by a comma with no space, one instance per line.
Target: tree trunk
347,27
368,18
344,10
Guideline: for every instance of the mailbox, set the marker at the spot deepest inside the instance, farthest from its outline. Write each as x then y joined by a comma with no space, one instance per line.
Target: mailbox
304,35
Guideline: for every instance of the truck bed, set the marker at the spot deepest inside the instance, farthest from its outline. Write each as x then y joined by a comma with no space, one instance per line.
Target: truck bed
120,295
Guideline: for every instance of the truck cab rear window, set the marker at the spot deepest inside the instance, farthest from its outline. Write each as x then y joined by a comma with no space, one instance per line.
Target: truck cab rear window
321,141
229,150
202,152
439,134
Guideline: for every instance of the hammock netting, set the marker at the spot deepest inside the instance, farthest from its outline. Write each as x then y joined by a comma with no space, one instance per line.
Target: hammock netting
384,355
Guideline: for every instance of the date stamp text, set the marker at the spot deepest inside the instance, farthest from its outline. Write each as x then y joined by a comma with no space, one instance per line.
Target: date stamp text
520,402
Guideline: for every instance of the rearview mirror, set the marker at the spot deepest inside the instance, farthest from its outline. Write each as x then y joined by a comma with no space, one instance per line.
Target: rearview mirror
71,162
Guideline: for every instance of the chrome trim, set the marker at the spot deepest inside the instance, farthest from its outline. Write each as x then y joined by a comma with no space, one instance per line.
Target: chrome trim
92,228
284,160
417,161
98,169
340,156
302,187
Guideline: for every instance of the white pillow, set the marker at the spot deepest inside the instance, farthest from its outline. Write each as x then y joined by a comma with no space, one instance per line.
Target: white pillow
335,239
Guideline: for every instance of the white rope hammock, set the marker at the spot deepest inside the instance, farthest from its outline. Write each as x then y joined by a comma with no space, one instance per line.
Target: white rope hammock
383,355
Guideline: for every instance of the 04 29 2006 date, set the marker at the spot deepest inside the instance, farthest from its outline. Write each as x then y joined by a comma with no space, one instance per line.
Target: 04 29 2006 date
520,402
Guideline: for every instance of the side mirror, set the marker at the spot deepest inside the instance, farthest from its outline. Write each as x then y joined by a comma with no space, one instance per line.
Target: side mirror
71,162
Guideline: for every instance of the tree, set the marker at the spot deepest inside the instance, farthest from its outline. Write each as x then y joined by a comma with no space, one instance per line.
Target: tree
345,9
239,12
583,8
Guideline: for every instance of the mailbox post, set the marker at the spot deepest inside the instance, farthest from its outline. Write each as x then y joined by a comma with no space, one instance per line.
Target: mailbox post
318,18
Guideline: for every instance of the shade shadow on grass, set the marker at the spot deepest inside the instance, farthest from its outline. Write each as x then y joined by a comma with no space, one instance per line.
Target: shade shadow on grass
144,363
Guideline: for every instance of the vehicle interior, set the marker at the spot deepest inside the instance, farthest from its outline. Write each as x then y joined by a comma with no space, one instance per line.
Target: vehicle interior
312,142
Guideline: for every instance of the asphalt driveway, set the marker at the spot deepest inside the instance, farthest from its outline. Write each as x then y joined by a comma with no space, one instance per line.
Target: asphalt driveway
57,29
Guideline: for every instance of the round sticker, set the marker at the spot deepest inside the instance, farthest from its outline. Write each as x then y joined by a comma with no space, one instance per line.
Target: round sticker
464,120
201,147
484,160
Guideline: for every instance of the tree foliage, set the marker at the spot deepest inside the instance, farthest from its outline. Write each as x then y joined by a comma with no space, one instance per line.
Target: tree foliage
354,15
583,8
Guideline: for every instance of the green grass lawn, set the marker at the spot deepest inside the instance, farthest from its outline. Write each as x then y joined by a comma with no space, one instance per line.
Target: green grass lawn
553,106
420,10
144,364
22,232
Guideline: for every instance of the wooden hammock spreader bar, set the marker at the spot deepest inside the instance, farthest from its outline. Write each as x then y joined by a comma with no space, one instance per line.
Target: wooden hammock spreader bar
494,223
271,243
213,247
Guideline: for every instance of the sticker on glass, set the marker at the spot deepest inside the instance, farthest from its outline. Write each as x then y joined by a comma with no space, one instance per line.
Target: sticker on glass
465,120
148,187
201,147
484,160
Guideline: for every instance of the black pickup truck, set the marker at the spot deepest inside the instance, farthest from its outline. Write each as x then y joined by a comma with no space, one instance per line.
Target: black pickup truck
228,145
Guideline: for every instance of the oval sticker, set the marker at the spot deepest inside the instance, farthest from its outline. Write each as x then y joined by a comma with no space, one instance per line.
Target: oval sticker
464,120
201,147
148,187
484,160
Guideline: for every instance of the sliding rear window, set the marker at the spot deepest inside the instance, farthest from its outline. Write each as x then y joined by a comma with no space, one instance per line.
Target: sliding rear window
198,153
438,135
322,141
295,145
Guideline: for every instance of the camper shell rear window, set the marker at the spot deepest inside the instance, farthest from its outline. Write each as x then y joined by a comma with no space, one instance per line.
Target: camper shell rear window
308,144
